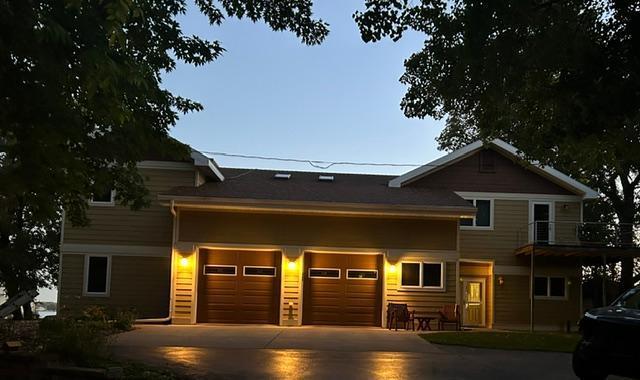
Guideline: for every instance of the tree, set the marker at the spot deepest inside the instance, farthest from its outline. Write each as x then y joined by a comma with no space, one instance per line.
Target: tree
558,78
81,101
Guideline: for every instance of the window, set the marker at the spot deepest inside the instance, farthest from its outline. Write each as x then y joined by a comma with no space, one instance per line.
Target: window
104,197
362,274
484,215
549,287
97,275
424,275
220,270
324,273
259,271
630,299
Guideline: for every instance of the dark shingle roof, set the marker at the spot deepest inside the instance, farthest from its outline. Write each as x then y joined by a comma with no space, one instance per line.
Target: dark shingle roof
306,187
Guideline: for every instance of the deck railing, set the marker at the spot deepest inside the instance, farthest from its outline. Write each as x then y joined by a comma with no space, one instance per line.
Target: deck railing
580,233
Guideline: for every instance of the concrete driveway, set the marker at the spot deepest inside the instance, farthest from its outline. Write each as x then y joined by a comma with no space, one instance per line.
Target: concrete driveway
238,352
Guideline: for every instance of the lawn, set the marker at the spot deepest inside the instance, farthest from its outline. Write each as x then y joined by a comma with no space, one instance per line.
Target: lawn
555,342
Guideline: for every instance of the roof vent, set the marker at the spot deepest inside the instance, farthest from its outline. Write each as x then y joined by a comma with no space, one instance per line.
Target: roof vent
325,178
282,176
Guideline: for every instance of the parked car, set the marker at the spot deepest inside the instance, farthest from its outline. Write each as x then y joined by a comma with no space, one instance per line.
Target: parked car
610,343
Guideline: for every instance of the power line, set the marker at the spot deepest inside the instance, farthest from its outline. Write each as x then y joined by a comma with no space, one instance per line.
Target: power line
320,164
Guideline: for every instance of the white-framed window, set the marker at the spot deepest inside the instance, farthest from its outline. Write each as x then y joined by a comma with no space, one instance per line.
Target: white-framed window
97,275
542,219
328,273
258,271
219,270
550,287
483,220
428,275
362,274
104,198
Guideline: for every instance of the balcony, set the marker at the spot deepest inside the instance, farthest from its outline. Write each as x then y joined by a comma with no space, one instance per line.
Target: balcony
579,239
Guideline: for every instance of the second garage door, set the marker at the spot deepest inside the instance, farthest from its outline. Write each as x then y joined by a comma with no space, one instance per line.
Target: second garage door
239,286
342,289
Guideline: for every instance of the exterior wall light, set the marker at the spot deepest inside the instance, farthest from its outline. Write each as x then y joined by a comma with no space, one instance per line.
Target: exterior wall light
291,265
184,262
392,268
500,280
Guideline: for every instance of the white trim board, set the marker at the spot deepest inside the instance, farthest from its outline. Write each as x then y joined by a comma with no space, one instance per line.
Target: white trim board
546,171
123,250
519,196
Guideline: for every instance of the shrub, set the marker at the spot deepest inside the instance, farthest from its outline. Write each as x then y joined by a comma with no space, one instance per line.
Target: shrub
123,320
82,342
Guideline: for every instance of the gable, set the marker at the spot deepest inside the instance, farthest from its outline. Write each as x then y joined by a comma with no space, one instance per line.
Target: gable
504,176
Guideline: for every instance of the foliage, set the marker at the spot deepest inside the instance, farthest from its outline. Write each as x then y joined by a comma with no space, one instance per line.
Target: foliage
82,101
554,342
558,79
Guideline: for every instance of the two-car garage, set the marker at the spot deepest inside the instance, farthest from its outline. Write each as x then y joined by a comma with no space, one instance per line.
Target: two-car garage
243,286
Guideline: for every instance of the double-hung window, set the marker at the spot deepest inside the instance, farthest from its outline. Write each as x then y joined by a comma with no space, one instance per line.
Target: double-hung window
484,215
422,275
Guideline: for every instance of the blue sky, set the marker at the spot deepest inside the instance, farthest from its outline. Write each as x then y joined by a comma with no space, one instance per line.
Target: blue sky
270,95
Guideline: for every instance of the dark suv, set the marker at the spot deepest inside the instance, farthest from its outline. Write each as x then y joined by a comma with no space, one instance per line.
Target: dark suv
610,343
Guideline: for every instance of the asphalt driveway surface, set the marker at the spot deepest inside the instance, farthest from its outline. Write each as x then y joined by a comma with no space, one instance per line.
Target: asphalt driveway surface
271,352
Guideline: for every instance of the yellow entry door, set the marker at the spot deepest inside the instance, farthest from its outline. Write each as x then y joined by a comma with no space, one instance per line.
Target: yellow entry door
473,311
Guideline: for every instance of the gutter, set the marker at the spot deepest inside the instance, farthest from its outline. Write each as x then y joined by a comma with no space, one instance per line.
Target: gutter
167,319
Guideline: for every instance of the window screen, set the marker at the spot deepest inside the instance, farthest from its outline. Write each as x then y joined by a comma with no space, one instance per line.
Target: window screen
410,274
362,274
432,274
324,273
483,216
260,271
220,270
540,286
556,287
97,274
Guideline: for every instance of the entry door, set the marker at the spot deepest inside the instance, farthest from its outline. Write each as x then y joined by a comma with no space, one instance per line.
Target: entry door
473,294
542,226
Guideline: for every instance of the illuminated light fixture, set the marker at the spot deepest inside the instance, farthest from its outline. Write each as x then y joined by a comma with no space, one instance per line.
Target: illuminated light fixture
392,268
500,280
184,262
291,265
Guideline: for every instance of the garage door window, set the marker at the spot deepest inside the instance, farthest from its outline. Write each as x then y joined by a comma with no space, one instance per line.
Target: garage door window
422,275
362,274
259,271
333,273
220,270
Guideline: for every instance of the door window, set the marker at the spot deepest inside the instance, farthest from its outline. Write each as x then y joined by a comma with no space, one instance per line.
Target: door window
220,270
362,274
541,225
333,273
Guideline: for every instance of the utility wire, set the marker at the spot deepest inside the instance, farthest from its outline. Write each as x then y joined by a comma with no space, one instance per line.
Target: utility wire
320,164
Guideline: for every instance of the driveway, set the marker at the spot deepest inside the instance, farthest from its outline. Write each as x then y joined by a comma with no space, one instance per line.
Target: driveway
238,352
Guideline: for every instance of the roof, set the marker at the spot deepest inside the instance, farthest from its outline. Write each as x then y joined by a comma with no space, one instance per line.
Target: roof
502,147
354,189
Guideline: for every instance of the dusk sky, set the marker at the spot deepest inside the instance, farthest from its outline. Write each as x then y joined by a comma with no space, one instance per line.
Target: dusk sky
270,95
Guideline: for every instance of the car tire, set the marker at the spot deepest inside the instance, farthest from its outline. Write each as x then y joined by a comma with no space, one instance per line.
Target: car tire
585,367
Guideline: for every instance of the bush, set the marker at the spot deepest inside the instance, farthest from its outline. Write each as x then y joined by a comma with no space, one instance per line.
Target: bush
123,320
82,342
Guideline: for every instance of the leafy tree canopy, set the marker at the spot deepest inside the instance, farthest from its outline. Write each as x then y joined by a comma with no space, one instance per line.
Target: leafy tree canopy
81,101
558,78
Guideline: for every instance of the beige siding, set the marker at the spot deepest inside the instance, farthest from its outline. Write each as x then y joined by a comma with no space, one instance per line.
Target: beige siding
422,301
316,231
567,219
119,225
137,282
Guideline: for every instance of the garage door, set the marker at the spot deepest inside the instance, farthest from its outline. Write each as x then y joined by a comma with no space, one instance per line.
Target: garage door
342,289
238,286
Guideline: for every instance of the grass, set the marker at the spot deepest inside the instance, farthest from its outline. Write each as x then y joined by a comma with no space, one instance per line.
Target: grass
553,342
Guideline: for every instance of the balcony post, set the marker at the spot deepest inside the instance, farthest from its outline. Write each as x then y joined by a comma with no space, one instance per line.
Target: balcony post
531,286
604,280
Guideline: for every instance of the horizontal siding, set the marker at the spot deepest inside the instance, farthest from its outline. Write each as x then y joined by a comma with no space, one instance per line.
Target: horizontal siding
422,301
291,292
137,282
183,296
120,225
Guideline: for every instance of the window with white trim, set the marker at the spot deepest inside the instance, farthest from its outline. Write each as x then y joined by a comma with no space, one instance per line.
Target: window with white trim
104,197
97,275
549,287
483,217
422,275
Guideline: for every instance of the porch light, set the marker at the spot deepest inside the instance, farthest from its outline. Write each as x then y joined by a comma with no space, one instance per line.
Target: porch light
291,265
392,268
500,280
184,262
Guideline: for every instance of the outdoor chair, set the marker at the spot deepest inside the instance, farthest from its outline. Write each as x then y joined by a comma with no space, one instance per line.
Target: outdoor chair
399,314
449,314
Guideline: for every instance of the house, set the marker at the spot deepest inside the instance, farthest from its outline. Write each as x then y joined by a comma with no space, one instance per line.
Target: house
230,245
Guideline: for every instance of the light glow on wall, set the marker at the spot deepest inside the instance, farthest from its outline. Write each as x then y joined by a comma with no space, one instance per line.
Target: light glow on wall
184,262
392,268
291,265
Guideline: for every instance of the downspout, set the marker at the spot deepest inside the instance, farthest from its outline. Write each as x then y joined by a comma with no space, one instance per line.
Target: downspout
171,276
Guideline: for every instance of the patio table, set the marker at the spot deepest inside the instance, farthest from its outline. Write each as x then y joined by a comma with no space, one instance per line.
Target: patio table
424,322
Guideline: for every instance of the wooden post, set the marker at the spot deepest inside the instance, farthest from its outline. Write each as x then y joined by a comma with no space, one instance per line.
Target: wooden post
604,280
531,285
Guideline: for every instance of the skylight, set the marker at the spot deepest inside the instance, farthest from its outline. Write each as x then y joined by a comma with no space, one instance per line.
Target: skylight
282,176
325,178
